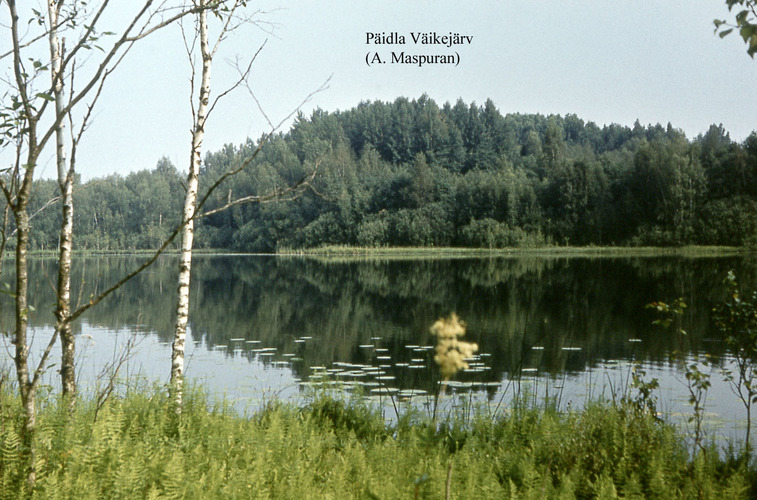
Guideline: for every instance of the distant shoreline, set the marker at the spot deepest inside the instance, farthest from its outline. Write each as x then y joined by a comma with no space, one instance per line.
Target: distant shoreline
550,251
547,251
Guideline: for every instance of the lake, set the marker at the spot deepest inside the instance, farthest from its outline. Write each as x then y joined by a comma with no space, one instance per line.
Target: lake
261,327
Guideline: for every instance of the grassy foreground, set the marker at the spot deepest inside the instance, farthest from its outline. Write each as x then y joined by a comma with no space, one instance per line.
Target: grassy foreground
136,448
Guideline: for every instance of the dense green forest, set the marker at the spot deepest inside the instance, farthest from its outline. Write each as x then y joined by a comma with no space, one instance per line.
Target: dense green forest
412,173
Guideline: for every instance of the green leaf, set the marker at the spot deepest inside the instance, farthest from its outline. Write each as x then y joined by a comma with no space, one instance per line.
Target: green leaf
725,33
747,32
45,96
752,46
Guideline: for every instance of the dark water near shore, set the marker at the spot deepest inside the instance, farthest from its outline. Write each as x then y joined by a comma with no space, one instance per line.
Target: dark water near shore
261,326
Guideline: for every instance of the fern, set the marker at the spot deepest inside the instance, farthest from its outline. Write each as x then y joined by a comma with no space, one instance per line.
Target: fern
173,477
10,463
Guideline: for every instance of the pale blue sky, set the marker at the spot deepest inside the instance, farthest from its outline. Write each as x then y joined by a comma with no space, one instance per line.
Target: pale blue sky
607,62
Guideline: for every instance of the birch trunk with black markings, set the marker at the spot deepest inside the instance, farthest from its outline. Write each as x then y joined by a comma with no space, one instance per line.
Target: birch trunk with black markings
190,205
65,183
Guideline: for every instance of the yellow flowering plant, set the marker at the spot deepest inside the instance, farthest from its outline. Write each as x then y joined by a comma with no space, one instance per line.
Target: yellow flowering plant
451,352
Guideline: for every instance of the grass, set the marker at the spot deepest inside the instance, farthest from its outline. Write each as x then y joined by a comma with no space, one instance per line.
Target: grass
440,252
547,251
343,448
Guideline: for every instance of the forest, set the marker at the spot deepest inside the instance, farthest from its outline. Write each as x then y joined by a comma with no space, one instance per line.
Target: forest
413,173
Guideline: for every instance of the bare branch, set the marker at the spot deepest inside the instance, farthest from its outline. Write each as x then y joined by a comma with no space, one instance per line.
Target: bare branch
190,48
43,360
323,87
226,28
243,76
114,367
248,160
25,45
295,190
127,39
18,70
90,27
96,300
76,140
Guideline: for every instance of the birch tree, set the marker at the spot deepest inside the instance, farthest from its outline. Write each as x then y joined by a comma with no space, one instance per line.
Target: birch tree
227,14
65,183
190,202
27,126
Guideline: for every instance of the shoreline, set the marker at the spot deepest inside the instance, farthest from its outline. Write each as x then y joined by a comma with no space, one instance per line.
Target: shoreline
438,252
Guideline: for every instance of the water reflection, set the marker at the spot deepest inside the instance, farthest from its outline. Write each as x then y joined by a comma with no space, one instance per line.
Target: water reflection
525,312
563,318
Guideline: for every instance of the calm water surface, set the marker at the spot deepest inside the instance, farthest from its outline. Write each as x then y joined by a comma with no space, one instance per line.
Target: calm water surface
263,327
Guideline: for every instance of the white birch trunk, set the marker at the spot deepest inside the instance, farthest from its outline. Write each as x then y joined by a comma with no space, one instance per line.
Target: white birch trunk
21,358
190,201
65,183
26,386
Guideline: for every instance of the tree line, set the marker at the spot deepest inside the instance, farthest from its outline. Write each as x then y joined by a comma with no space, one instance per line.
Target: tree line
413,173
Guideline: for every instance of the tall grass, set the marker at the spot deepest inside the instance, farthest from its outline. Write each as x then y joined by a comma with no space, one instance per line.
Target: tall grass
342,448
541,250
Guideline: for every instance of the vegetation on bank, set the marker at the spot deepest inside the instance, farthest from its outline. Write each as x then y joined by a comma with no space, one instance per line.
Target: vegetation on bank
430,252
546,251
135,447
412,173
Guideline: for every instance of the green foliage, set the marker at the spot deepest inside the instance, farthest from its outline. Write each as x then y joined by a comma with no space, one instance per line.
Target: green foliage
412,173
669,312
645,399
736,318
337,449
745,23
353,417
697,381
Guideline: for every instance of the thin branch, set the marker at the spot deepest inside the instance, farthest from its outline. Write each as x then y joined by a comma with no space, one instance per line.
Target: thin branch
243,76
95,300
226,28
48,203
39,37
90,27
190,48
275,195
76,140
144,32
18,69
25,45
320,89
126,40
41,365
114,367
